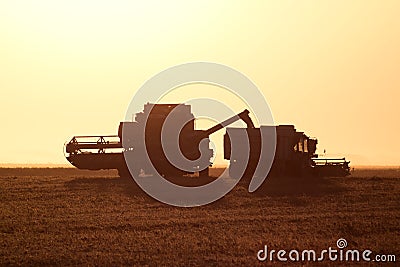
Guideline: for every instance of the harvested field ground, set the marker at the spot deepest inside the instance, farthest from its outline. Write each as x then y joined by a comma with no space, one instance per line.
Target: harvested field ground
72,217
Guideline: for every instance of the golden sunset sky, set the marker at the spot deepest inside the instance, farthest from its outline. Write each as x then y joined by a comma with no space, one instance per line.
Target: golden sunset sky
331,68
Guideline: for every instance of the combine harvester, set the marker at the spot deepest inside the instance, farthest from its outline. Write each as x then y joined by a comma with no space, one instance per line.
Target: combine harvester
294,156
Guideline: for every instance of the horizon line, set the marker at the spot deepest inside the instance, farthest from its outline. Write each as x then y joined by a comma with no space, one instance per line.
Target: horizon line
69,166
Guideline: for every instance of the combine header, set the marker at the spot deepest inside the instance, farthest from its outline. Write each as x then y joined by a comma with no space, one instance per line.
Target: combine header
295,151
331,167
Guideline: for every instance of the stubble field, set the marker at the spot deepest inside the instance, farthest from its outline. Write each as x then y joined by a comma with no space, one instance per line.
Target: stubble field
71,217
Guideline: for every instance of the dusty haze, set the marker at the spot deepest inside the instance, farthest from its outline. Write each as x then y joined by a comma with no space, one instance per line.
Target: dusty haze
330,68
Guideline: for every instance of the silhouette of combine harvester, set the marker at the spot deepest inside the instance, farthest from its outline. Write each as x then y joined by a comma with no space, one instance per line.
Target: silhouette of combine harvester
294,156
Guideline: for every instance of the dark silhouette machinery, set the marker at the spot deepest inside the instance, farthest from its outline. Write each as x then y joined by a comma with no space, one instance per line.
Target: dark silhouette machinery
295,152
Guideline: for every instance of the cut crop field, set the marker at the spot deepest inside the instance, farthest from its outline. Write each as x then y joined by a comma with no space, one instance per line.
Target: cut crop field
59,216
